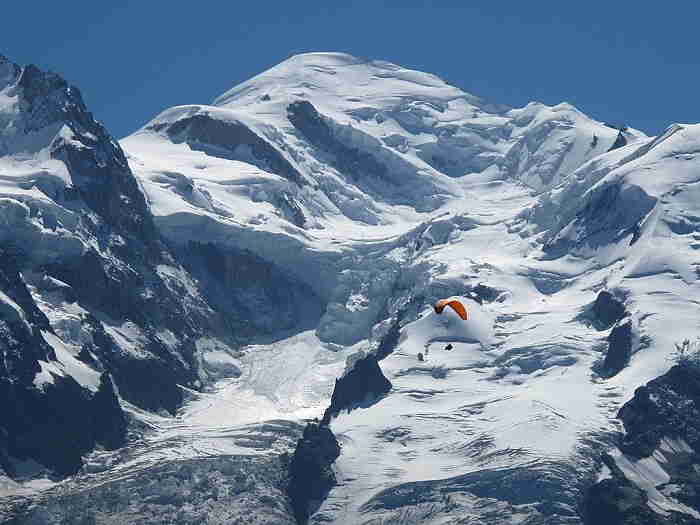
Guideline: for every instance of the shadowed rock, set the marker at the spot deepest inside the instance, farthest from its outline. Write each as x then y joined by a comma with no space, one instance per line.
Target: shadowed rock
58,421
607,309
360,386
620,141
109,420
619,348
311,476
618,502
664,408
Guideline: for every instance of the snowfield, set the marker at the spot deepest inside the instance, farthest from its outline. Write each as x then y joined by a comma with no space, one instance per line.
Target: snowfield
383,189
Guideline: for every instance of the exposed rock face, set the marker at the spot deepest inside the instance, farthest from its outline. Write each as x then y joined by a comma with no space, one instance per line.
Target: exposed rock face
58,422
618,502
607,309
109,421
390,340
97,165
619,348
362,384
667,407
311,476
620,141
88,245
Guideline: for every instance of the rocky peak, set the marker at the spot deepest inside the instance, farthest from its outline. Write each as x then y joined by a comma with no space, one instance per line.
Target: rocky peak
46,113
9,71
310,472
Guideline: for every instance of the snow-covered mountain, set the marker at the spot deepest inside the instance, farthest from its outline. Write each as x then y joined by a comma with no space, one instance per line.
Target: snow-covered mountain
240,268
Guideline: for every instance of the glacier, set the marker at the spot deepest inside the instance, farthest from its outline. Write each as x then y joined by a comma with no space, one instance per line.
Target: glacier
309,218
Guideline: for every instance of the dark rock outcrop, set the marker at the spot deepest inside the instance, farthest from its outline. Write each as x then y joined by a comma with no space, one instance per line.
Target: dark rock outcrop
311,476
150,380
54,423
57,423
666,407
97,165
607,309
620,141
618,502
619,348
360,386
134,292
389,341
109,421
310,473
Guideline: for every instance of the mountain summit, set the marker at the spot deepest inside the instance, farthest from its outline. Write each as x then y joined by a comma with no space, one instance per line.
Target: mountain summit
231,272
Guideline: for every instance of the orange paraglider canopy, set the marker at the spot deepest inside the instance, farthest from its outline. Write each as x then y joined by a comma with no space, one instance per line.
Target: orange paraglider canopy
456,305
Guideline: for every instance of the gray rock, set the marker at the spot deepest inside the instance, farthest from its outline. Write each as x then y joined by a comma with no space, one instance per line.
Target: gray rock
619,348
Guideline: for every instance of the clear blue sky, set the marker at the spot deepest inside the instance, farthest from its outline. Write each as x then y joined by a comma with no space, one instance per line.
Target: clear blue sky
624,62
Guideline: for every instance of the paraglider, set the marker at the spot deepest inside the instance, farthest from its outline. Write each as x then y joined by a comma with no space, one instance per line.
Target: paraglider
455,304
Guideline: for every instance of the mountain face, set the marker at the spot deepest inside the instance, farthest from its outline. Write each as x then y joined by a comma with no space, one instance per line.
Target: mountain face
651,476
93,301
174,306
